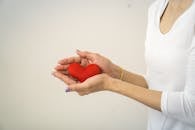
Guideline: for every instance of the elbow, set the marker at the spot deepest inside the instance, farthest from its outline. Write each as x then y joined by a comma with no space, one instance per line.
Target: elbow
179,105
188,101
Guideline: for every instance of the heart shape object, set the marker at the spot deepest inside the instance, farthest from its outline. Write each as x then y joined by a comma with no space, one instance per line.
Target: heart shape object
82,73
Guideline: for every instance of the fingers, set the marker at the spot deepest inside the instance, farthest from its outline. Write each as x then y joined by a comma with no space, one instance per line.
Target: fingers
69,60
76,87
65,72
61,67
83,58
84,62
64,78
85,54
80,88
80,92
79,59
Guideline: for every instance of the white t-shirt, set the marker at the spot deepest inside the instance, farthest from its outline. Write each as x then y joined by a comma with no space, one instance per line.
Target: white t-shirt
170,60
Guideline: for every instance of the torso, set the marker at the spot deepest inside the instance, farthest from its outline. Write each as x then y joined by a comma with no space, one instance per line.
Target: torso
174,9
167,47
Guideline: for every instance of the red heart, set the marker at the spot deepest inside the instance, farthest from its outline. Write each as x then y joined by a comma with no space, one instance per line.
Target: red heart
82,73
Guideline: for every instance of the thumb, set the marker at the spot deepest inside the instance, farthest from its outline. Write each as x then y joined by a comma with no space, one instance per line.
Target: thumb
75,87
85,54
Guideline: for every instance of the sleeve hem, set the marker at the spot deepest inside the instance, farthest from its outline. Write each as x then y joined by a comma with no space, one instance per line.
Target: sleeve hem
164,103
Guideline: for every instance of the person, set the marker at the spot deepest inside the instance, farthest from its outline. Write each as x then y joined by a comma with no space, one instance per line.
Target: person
168,87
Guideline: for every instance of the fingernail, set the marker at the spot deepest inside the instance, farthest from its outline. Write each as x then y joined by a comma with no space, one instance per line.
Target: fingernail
78,50
67,90
53,72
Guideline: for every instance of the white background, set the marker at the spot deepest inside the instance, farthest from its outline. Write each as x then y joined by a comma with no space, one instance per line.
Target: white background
35,34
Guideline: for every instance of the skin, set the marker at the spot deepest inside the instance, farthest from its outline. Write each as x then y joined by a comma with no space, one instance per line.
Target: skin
173,11
131,85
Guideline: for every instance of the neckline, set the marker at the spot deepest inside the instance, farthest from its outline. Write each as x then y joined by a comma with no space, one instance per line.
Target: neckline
163,7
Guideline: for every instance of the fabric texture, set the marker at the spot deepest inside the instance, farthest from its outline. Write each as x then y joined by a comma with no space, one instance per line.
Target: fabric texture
170,61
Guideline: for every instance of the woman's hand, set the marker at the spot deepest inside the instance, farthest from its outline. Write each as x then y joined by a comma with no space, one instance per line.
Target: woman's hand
93,84
96,83
85,58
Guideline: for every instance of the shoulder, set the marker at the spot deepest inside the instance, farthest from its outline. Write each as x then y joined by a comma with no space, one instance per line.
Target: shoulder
192,47
155,5
193,40
193,11
191,19
153,11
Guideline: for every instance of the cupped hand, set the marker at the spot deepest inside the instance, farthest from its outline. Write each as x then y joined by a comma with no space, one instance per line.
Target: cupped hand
93,84
96,83
85,58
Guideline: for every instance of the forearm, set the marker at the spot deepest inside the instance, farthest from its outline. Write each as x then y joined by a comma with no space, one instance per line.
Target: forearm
129,77
148,97
134,78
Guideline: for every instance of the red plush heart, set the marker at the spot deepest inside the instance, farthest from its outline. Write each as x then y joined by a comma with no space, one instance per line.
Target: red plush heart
82,73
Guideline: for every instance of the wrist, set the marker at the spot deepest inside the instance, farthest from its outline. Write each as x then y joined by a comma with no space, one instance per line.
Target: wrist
110,84
116,72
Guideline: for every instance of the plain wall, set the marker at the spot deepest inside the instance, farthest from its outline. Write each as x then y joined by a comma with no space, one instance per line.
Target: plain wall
35,34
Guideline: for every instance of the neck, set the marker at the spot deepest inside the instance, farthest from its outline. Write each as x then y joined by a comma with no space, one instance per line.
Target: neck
180,3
